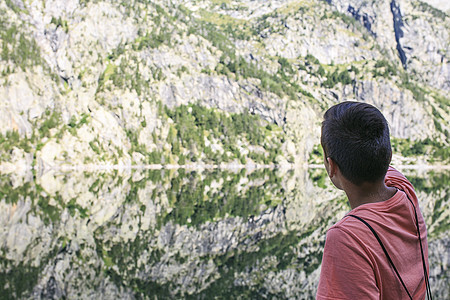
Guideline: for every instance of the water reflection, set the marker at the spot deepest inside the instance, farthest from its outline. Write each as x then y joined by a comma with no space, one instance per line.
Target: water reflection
182,234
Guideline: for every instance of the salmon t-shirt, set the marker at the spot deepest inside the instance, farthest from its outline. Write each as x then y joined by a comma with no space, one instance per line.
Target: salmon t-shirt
354,265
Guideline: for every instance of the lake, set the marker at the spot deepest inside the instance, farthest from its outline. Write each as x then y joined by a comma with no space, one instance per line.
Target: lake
191,234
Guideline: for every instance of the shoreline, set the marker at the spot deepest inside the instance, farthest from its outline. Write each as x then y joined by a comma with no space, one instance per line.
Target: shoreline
11,168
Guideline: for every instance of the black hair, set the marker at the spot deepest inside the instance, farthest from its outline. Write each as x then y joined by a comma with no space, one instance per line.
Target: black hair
356,136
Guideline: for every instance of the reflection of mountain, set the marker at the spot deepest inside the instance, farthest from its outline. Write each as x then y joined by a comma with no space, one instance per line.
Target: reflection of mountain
178,234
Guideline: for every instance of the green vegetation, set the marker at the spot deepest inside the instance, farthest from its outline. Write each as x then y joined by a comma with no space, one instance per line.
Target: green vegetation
177,202
13,6
192,123
280,247
384,69
60,23
232,65
125,256
417,91
432,183
443,102
48,126
319,176
126,75
345,18
53,120
194,204
311,59
436,185
316,156
423,6
280,83
17,281
235,28
196,200
74,124
195,128
436,151
154,40
235,262
49,212
336,77
135,146
11,194
17,49
10,140
73,208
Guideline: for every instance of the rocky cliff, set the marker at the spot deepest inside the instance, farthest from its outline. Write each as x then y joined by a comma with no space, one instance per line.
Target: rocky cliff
94,81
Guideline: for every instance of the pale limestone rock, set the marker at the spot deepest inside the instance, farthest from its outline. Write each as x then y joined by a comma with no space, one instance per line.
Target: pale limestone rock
106,206
108,127
138,159
442,5
105,24
302,124
149,114
150,215
27,95
50,183
64,65
21,229
58,8
19,237
86,134
290,148
18,98
405,116
19,167
322,40
50,153
18,89
426,42
129,228
86,199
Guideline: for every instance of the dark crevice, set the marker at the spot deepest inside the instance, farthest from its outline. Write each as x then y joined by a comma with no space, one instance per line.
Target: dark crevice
364,18
398,24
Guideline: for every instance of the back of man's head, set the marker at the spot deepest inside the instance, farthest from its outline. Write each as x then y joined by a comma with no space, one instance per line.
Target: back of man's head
356,136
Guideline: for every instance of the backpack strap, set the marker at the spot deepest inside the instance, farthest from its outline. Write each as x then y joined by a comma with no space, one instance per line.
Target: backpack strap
384,250
427,281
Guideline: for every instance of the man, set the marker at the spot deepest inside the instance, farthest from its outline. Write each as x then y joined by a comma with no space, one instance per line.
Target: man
379,249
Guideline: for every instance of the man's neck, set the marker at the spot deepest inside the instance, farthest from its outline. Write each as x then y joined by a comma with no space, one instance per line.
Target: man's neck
368,193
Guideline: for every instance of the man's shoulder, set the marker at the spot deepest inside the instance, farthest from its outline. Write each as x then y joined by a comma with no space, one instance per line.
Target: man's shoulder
346,226
347,235
395,178
352,227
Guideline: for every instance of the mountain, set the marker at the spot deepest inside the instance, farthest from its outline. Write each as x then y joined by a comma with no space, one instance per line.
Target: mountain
138,82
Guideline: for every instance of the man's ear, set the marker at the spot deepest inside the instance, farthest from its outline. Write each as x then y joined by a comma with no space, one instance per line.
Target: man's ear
332,167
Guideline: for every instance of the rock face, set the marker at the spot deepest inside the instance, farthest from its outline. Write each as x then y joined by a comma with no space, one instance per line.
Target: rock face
407,21
116,84
109,66
439,4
